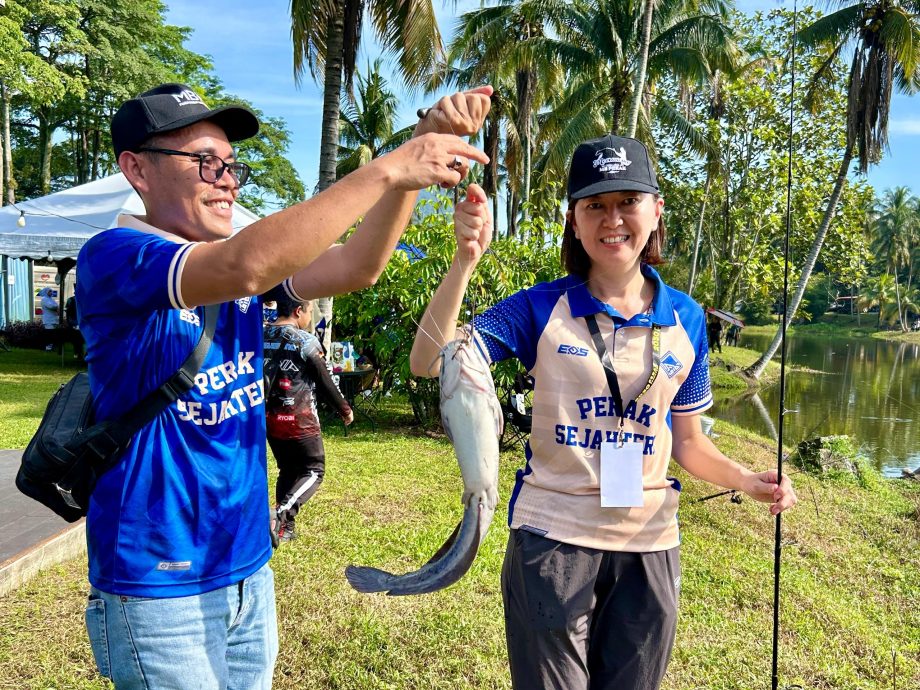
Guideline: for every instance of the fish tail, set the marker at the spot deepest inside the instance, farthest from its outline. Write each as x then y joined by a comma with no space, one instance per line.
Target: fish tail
365,579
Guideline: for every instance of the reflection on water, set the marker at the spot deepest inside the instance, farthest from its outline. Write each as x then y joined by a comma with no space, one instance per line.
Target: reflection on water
867,388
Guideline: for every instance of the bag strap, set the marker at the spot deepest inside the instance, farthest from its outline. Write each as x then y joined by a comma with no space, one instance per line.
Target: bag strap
106,438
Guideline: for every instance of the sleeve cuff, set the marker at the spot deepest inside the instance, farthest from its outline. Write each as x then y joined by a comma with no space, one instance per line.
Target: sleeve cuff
174,276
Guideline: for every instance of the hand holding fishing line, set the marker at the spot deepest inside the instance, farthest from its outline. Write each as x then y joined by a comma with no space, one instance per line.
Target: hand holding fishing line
472,226
460,114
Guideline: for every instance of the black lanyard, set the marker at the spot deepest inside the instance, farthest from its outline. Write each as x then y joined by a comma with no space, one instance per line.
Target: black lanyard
611,373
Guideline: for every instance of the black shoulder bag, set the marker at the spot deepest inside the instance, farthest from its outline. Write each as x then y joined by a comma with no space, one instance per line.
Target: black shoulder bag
69,452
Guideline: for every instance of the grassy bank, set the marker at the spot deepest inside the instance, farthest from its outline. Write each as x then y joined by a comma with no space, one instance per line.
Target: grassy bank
725,368
840,326
851,573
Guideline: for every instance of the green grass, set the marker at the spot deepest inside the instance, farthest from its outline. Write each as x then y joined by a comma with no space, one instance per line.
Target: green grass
725,368
28,378
851,575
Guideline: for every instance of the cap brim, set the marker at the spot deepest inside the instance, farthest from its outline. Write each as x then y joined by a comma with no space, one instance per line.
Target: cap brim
605,186
237,122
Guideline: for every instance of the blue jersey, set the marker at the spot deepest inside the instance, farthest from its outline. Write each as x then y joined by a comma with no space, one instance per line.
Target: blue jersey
185,509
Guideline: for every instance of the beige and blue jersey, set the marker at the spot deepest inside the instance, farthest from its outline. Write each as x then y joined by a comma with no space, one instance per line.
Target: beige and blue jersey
557,494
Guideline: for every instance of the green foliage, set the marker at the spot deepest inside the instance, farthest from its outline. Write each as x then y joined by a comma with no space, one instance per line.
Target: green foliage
74,64
381,320
25,334
819,295
756,312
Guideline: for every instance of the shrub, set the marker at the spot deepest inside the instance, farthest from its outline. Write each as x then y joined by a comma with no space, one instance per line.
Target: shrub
381,320
26,334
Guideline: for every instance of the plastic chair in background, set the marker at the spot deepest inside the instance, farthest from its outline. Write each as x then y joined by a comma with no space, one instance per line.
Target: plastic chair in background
517,408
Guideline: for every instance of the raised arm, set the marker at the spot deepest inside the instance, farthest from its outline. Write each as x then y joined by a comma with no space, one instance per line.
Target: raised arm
359,262
473,228
268,251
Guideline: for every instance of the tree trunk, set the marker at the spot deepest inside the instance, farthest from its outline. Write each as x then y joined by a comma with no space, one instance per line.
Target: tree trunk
329,141
526,88
756,369
97,145
897,296
699,233
8,180
45,132
514,204
490,170
332,97
639,87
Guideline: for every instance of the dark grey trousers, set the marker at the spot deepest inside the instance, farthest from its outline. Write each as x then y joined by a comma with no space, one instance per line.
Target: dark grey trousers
583,619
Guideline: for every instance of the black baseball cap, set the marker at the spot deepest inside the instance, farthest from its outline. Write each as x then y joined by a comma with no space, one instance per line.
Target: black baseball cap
611,164
173,106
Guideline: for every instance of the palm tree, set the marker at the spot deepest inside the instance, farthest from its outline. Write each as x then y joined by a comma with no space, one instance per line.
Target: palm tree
366,125
885,36
879,292
894,228
327,35
487,44
639,89
600,42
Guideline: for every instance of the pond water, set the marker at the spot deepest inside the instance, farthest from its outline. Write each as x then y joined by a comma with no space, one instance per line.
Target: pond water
863,387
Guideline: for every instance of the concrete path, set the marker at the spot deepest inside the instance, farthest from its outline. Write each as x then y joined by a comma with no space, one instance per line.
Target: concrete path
31,536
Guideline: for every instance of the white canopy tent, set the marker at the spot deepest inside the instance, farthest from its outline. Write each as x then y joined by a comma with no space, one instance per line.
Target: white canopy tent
57,226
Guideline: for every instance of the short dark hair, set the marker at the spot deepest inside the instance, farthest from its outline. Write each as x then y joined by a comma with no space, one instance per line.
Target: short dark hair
575,259
284,303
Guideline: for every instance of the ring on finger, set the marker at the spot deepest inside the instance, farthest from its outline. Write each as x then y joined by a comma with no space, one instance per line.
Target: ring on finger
456,163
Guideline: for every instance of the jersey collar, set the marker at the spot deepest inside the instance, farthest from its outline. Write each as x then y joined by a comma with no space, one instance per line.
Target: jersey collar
582,302
126,220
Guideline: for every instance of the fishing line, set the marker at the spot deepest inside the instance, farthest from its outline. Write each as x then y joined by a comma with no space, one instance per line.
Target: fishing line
777,541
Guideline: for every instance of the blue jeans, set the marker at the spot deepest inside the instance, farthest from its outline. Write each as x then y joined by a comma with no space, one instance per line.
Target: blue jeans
225,639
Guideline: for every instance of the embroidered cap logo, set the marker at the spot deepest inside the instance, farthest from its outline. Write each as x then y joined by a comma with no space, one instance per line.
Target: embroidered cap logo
611,164
188,97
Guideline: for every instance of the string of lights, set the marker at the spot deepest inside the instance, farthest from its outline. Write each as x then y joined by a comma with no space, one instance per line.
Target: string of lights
37,211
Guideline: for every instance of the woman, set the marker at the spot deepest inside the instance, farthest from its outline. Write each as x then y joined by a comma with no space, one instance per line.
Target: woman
591,574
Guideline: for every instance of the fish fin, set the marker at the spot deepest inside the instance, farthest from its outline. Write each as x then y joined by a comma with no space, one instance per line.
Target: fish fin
365,579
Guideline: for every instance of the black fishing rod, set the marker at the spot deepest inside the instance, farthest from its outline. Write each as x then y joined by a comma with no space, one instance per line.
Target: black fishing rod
777,539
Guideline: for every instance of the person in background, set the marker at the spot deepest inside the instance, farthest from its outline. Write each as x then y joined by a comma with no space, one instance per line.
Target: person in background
620,365
714,333
73,328
50,313
732,334
297,377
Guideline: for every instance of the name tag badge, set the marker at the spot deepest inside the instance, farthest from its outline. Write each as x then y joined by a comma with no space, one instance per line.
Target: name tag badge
621,475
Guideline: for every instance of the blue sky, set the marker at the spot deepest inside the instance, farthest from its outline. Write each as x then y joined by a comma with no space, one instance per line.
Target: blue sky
250,44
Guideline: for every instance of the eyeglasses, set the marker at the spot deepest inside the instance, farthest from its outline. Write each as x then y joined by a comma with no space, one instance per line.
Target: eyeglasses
210,167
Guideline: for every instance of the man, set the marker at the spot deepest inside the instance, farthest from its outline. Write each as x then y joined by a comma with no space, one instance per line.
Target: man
178,531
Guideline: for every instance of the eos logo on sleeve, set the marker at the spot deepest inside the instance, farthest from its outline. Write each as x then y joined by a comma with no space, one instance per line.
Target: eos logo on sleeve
572,350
